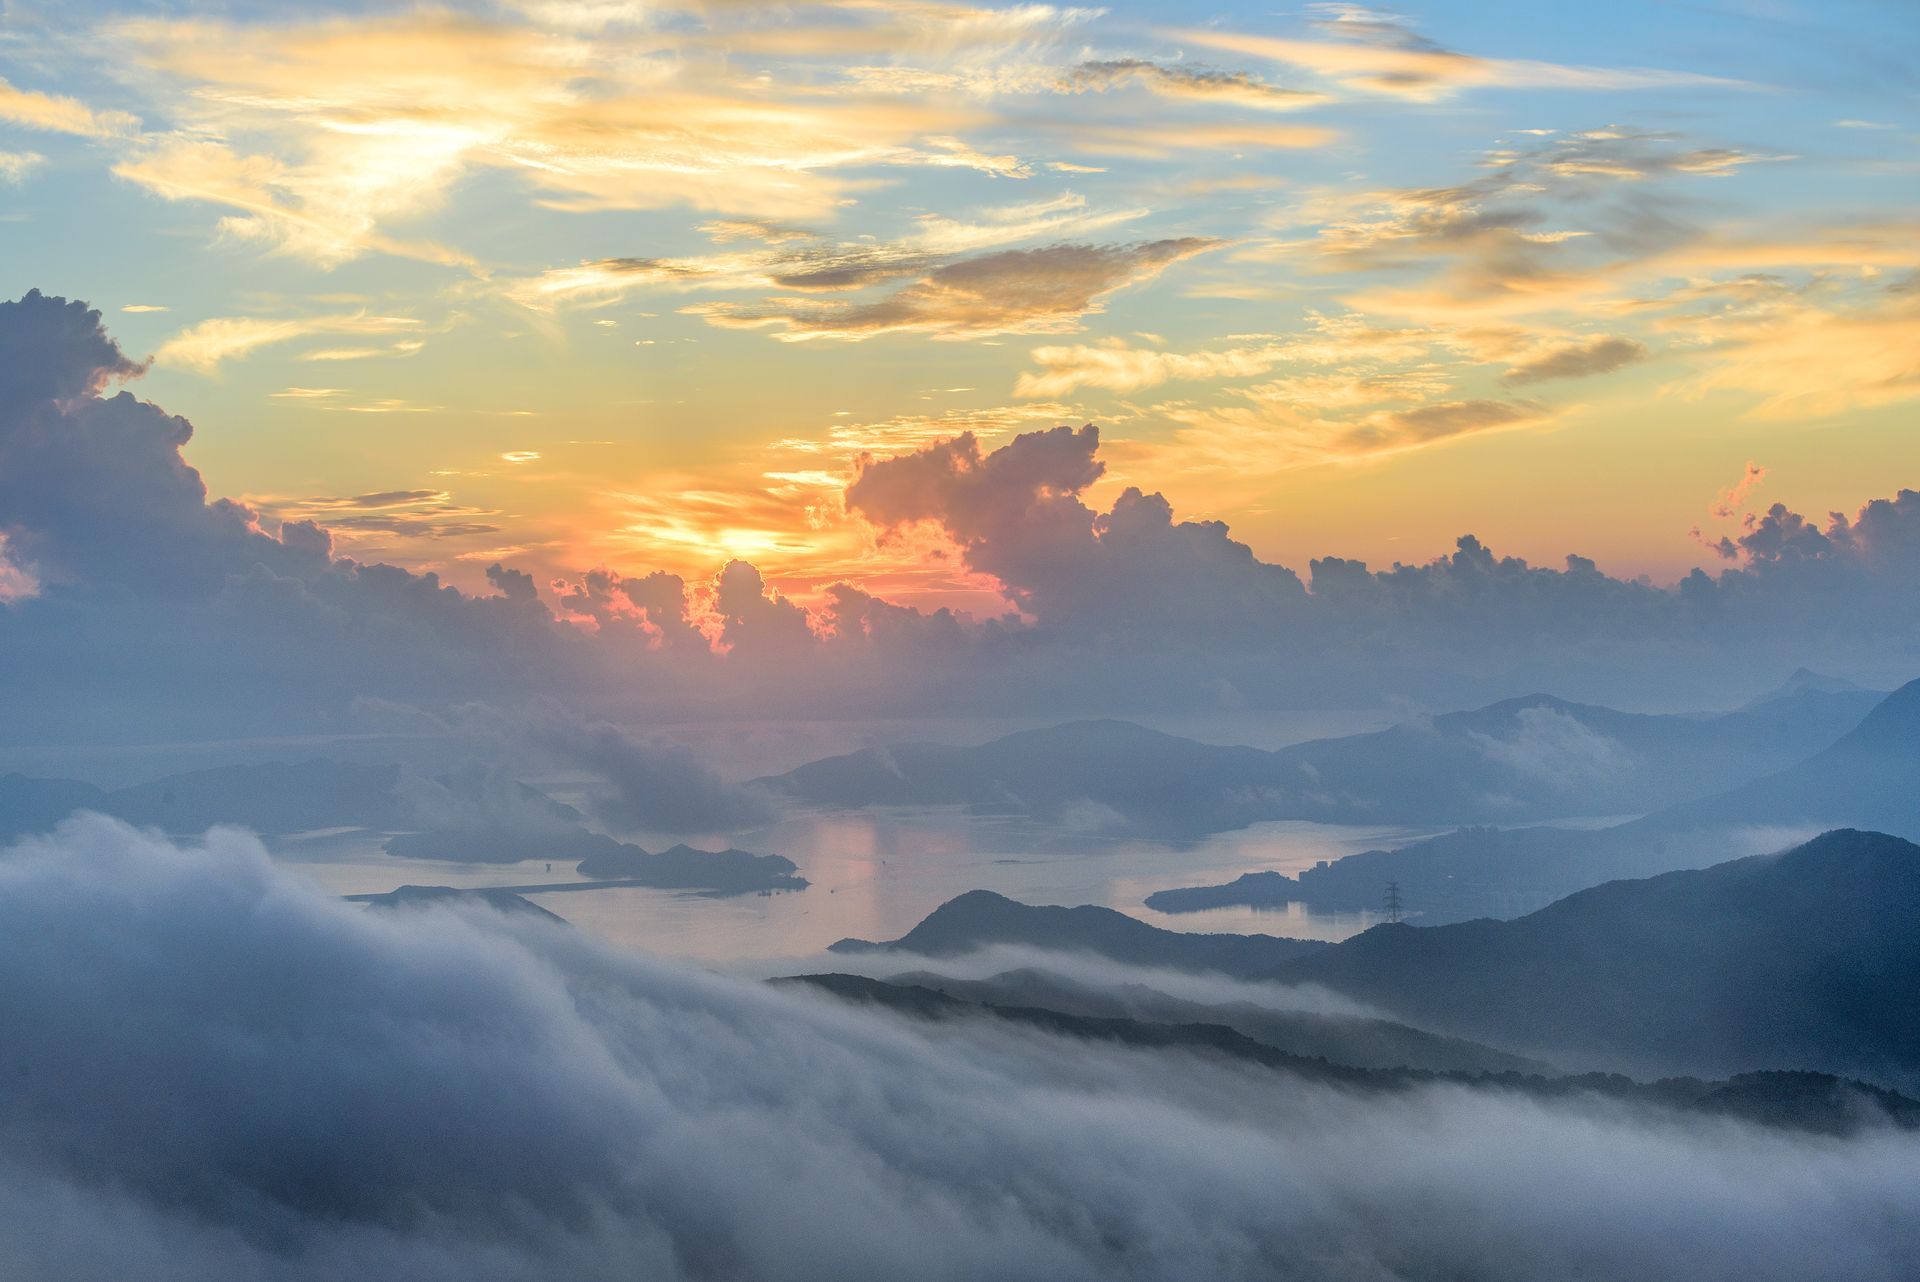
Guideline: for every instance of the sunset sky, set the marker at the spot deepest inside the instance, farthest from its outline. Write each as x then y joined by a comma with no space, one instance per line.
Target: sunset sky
567,283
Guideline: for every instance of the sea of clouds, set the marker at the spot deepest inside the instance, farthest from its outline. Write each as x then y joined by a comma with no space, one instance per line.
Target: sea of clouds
212,1070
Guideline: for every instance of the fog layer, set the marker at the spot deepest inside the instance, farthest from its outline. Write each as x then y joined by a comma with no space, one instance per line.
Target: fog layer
213,1071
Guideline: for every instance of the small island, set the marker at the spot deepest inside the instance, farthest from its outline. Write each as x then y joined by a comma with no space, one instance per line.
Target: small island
1249,890
715,873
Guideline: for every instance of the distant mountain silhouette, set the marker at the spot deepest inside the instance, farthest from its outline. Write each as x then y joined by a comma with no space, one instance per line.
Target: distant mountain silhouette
1805,1101
279,797
1808,959
29,805
1340,1039
1869,778
1160,779
276,797
1521,760
1805,681
980,918
271,798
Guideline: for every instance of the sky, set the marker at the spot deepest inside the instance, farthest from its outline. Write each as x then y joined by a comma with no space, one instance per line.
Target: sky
579,283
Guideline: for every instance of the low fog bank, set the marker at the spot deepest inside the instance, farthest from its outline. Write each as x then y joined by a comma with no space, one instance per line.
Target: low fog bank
1088,970
216,1072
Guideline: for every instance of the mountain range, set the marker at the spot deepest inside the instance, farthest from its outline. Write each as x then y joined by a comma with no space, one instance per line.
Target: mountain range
1519,761
1795,1100
981,918
1356,1040
271,798
1807,959
1869,778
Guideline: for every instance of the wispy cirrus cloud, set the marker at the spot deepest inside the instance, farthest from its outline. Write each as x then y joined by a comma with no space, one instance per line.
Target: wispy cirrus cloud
816,264
1825,347
1582,359
325,135
1281,427
1348,341
1373,52
1194,84
1020,291
202,348
359,521
56,113
15,166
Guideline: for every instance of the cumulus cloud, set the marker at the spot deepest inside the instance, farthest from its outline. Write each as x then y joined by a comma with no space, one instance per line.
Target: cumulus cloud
55,351
515,585
133,557
1133,578
450,1093
1017,514
138,603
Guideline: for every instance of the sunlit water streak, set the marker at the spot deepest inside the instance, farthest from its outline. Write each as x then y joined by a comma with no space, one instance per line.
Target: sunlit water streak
874,874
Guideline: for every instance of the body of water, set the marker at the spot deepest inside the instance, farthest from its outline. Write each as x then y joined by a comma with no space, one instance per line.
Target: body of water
875,874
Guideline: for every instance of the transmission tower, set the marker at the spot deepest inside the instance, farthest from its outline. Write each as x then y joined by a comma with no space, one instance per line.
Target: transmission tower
1393,901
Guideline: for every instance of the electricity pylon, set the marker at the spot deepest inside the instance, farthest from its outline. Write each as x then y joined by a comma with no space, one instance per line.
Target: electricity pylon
1393,901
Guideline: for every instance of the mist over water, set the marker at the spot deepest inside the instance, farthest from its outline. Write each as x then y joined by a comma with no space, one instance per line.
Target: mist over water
325,1090
874,874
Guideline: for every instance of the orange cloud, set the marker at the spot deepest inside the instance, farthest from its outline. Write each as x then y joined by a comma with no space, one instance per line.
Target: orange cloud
1012,292
53,113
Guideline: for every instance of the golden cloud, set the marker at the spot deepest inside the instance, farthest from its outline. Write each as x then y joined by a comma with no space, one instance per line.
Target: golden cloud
1012,292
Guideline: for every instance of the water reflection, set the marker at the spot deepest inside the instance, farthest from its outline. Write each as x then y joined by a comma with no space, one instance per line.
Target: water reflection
876,873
